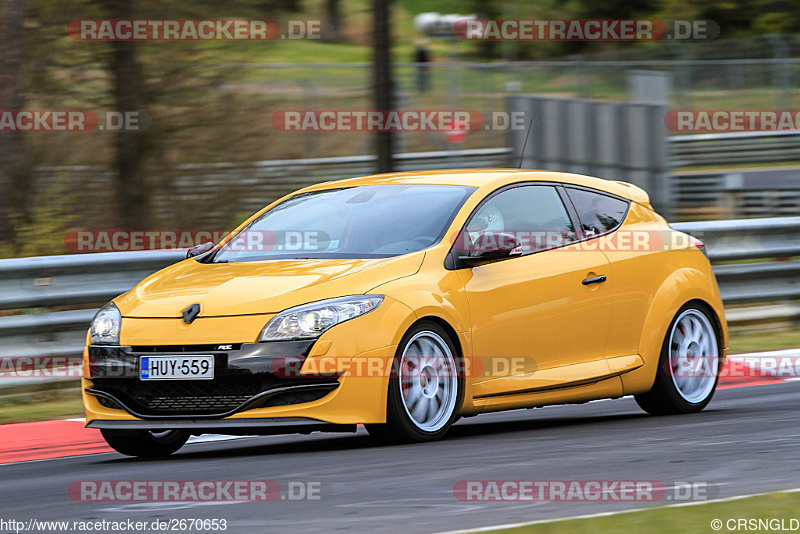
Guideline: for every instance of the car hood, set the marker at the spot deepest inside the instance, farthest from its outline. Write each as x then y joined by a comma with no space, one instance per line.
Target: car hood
263,287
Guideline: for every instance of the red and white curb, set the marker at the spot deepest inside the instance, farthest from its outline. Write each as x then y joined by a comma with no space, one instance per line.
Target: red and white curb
44,440
760,368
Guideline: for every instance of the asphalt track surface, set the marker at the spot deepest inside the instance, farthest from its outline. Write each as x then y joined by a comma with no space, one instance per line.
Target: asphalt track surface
746,441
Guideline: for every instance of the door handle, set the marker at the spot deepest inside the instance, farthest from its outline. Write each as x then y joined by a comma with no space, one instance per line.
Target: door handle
594,280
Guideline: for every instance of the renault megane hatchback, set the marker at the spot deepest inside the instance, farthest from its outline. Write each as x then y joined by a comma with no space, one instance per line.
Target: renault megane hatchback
405,301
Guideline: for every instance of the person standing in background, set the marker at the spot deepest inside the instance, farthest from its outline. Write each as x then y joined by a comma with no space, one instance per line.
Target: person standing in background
421,58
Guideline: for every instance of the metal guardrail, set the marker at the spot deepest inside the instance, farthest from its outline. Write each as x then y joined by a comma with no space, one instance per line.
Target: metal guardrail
746,239
734,148
28,284
76,279
737,193
718,194
752,239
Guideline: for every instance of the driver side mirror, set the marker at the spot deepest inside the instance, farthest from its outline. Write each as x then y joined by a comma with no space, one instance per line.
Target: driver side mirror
199,249
488,247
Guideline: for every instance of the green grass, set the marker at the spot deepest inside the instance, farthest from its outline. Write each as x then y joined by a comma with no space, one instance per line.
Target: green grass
438,6
41,406
677,520
287,51
740,342
357,30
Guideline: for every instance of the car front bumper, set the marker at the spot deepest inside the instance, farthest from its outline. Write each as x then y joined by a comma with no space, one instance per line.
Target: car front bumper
255,385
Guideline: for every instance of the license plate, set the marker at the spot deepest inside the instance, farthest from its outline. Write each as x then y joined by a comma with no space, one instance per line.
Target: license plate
176,368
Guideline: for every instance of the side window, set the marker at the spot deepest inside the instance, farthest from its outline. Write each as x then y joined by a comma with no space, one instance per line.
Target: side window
598,213
533,213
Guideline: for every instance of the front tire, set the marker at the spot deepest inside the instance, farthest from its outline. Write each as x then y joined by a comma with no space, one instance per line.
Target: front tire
688,369
425,387
145,444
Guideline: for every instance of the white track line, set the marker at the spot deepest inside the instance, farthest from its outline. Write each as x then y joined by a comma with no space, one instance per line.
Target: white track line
211,438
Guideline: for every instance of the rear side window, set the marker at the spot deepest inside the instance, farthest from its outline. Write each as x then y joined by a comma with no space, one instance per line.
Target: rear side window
598,213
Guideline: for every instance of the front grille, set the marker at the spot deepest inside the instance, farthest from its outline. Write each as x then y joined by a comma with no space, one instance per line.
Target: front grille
221,394
200,397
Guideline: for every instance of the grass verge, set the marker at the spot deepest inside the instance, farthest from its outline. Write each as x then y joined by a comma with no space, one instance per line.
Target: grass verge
680,520
24,407
741,342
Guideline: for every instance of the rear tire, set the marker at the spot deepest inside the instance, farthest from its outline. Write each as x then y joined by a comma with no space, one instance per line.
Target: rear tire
425,387
145,444
688,368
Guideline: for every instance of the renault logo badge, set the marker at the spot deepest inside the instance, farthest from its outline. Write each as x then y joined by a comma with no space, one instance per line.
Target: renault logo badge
191,313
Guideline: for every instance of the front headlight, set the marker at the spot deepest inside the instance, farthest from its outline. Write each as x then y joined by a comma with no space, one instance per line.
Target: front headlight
309,321
105,325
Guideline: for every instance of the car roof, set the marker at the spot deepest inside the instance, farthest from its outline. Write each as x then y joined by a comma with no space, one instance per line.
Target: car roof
491,179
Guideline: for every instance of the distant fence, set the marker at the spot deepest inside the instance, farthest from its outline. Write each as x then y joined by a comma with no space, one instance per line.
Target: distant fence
209,194
739,194
734,148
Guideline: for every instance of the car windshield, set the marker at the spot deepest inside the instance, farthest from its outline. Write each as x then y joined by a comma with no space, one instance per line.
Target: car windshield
354,222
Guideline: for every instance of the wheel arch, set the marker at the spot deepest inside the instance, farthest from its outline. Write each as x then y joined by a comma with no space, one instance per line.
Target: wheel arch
715,316
466,404
680,288
447,327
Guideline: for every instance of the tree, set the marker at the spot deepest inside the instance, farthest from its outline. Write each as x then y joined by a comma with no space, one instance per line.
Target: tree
13,179
382,69
333,27
486,9
128,90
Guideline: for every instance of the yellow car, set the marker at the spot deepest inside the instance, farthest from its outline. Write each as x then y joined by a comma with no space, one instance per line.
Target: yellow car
405,301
